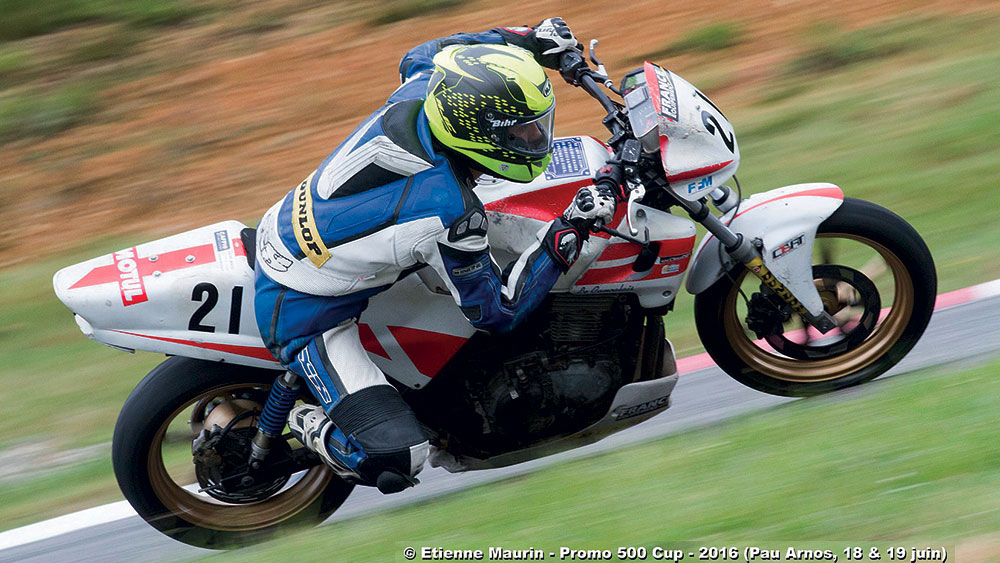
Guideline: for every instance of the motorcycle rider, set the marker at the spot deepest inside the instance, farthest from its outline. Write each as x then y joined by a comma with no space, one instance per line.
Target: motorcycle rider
398,195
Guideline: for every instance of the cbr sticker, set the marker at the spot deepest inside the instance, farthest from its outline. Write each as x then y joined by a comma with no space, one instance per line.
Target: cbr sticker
784,249
568,159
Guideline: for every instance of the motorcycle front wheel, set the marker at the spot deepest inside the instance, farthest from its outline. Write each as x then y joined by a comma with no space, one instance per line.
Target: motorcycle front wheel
152,458
875,276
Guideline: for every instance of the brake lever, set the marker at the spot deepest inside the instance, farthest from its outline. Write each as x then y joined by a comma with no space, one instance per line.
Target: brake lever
635,194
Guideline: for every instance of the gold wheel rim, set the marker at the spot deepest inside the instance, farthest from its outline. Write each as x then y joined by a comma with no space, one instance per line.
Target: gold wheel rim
885,335
209,513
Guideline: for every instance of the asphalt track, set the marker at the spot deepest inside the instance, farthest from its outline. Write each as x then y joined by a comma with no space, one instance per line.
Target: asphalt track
961,335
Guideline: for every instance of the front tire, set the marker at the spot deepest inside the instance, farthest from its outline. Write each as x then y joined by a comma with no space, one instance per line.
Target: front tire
147,451
880,245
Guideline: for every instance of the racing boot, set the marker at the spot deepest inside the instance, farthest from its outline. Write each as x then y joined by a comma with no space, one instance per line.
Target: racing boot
370,437
313,428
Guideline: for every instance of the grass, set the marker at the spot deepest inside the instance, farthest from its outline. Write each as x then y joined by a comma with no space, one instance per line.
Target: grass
73,386
891,462
828,48
707,39
392,11
36,112
55,493
30,18
108,47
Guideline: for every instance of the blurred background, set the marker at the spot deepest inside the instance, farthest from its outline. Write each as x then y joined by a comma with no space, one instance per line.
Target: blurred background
122,121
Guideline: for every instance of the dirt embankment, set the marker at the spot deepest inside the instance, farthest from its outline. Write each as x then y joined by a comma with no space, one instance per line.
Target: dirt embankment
228,135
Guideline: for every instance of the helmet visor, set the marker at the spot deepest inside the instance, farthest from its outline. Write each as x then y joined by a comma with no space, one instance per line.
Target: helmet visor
526,135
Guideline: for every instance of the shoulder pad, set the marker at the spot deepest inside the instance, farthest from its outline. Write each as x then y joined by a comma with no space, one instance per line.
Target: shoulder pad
472,223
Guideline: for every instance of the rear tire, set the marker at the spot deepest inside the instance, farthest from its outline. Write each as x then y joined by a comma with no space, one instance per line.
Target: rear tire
168,392
914,289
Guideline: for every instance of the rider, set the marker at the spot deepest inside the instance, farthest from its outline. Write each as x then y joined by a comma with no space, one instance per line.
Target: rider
395,196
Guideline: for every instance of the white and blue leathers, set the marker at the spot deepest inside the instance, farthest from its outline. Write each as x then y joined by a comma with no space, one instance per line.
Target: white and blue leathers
386,202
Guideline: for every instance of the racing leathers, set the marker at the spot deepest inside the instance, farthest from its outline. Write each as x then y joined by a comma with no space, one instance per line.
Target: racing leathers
387,201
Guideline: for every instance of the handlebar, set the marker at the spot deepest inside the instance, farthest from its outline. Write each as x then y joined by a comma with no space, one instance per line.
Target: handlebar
574,70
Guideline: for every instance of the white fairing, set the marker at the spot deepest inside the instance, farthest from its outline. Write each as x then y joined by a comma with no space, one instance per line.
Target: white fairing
697,144
190,294
785,219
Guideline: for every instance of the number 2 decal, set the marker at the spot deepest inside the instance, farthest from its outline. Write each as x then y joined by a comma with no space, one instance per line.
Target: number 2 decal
208,294
712,124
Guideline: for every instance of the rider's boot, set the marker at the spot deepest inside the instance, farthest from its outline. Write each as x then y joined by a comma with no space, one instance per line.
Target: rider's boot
371,437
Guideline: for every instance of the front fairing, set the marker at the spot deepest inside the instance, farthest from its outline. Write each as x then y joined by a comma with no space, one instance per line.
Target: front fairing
696,143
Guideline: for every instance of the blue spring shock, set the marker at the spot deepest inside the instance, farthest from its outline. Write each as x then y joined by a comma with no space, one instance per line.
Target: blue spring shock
279,403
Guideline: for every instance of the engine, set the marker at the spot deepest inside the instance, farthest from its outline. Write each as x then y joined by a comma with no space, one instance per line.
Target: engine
554,375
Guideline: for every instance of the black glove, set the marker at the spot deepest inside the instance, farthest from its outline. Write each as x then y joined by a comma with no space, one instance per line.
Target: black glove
547,40
563,242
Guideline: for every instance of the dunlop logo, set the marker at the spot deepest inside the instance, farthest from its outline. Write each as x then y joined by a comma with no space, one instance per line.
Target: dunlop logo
304,225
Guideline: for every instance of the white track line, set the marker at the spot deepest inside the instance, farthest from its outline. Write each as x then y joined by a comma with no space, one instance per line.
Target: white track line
121,510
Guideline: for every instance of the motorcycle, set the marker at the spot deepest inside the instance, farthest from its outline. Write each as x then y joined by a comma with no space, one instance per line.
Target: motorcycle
798,291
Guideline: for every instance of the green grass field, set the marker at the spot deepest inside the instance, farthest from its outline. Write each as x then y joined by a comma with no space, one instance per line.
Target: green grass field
890,462
913,129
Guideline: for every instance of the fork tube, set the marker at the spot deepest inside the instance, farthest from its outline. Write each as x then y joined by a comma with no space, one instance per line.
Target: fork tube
742,250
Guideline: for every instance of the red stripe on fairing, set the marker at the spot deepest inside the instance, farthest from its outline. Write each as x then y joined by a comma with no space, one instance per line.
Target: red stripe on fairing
370,342
617,251
165,262
544,205
623,273
429,351
653,85
238,248
832,193
697,172
248,351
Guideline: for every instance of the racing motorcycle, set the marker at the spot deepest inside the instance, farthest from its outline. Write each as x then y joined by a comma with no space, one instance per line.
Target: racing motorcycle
798,291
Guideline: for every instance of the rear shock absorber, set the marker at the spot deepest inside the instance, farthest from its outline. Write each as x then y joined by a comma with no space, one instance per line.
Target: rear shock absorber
280,401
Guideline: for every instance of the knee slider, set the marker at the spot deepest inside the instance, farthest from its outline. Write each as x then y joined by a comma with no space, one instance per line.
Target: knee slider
380,421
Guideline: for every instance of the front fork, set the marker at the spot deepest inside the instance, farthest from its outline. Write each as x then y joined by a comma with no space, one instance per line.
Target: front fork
749,254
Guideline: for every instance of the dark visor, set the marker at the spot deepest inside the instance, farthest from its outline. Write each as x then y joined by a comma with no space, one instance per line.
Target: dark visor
530,135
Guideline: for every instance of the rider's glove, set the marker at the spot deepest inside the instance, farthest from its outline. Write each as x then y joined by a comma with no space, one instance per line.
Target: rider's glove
547,40
591,205
564,238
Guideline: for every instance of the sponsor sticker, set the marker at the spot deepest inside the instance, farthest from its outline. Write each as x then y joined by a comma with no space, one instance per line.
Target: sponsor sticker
318,387
668,95
624,412
130,284
568,159
702,184
785,248
304,225
221,241
466,270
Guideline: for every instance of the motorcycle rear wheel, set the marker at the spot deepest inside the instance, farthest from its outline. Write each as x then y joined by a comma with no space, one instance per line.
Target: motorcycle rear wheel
172,389
897,251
